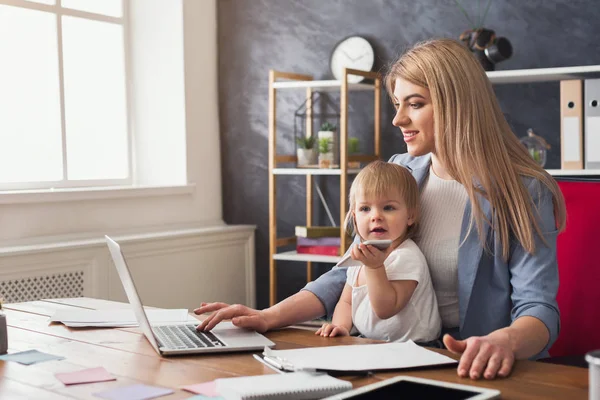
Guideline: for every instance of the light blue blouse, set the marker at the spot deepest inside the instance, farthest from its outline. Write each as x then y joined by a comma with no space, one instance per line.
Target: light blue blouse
492,293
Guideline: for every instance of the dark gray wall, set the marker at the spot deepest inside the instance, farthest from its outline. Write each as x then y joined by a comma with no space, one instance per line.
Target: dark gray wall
297,36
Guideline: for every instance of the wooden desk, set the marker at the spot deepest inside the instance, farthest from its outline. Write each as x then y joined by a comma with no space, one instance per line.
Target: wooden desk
127,354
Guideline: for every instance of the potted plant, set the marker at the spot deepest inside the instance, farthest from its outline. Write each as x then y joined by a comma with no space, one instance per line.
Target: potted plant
305,152
325,154
328,131
353,149
3,331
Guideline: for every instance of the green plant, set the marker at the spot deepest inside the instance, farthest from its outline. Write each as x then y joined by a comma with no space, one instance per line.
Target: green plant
326,126
306,142
353,145
324,145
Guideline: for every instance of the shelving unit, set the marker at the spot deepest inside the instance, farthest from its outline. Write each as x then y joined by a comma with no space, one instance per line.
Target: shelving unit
544,74
549,75
313,171
279,81
573,172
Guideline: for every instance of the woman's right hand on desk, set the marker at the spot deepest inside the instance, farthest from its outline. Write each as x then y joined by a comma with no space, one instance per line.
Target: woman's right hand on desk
241,316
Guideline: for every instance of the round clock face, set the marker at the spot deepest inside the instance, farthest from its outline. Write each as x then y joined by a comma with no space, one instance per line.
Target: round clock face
354,52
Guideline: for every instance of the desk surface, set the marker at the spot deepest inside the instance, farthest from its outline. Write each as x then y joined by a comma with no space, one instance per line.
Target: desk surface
126,354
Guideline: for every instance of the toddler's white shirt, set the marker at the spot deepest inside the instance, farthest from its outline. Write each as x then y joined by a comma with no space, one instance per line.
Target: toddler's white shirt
419,320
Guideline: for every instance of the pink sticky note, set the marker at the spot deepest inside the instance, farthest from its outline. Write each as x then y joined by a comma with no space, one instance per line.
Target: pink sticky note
134,392
85,376
207,388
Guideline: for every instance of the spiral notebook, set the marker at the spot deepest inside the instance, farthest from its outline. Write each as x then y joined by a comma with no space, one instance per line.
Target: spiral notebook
292,386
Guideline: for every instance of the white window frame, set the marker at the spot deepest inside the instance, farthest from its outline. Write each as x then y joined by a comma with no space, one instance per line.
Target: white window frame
58,10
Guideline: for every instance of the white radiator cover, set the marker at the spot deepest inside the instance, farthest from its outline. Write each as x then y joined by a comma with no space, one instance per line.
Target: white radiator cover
173,269
56,285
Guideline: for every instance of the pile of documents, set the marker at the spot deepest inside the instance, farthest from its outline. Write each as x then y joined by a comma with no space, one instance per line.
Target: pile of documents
366,357
118,318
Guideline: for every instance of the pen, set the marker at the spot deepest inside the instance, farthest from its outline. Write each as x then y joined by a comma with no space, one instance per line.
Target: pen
273,362
274,367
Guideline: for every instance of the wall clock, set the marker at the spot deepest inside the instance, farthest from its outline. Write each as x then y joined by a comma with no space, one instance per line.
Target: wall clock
352,52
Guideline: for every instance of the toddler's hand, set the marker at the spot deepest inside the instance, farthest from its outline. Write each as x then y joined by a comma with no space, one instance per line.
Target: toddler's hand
369,255
330,330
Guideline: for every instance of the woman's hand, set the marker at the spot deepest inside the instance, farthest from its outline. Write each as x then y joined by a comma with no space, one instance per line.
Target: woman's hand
241,316
369,255
488,356
331,330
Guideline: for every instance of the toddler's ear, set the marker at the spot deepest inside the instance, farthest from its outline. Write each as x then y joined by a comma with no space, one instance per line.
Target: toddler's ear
350,224
411,218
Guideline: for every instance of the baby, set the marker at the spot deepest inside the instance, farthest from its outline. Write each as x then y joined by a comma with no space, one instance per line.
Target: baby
390,297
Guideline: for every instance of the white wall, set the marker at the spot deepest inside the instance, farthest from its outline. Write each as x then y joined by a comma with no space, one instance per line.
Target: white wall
38,227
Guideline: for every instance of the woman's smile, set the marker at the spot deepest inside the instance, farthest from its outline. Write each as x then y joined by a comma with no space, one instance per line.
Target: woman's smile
409,135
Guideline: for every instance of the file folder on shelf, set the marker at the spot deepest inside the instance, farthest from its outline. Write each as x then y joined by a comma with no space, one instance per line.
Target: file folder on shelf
592,123
571,124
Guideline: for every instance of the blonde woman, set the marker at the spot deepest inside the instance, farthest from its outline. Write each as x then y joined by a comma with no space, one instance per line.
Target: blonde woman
390,296
491,216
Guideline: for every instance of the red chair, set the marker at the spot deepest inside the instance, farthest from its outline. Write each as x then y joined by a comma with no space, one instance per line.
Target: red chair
578,252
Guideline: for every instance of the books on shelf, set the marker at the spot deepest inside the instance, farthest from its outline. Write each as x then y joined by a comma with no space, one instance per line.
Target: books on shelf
321,241
325,245
320,250
317,231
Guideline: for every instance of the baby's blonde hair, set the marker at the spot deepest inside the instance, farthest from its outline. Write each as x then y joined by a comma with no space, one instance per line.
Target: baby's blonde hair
378,179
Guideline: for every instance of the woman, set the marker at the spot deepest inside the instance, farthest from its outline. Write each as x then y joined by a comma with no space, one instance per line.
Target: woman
491,216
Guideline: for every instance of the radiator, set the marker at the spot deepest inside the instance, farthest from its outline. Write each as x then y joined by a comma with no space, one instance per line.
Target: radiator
52,286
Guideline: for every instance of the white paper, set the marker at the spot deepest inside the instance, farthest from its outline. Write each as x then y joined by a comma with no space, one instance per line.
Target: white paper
367,357
593,139
190,320
572,139
118,318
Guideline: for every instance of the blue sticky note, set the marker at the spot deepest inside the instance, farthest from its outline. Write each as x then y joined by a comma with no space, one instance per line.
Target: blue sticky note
134,392
30,357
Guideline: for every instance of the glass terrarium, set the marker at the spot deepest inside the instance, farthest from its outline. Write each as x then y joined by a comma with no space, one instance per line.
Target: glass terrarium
536,146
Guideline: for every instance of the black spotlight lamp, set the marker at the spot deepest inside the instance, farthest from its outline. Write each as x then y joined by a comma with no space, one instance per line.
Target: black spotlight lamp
486,47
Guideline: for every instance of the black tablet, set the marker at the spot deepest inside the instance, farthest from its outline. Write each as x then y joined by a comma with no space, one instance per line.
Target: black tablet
408,387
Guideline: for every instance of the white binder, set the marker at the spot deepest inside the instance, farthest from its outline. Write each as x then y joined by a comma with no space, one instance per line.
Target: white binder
592,123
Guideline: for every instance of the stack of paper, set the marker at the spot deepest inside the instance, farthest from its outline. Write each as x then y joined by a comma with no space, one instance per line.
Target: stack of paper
366,357
295,385
119,318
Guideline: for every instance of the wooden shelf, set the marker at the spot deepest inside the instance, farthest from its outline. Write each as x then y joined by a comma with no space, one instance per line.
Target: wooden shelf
544,74
294,256
496,77
281,81
313,171
329,85
573,172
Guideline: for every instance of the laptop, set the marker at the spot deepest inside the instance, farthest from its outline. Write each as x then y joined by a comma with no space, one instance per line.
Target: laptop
182,338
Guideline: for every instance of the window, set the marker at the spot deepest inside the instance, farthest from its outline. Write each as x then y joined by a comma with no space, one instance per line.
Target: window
63,103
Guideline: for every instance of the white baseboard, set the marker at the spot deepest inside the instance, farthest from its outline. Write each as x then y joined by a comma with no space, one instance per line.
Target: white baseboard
174,269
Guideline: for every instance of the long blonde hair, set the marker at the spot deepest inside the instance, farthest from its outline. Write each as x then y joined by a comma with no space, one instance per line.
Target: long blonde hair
377,179
475,143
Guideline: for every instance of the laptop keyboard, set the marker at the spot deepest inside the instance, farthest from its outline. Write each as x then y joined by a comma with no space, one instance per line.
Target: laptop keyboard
185,337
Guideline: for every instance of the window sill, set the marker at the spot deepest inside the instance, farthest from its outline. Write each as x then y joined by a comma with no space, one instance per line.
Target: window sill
93,193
